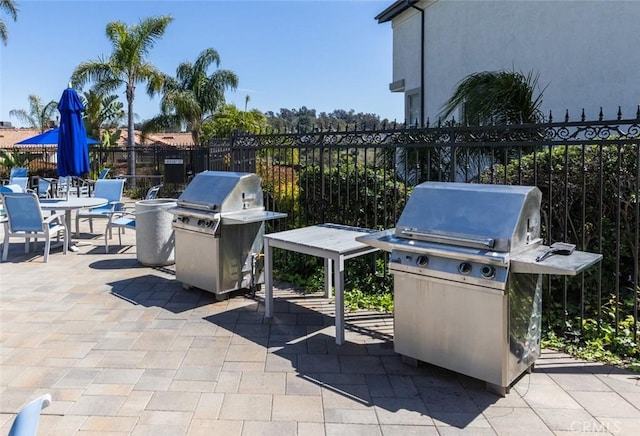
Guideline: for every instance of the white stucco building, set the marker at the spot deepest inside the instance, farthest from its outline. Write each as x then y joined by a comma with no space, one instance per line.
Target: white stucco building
587,53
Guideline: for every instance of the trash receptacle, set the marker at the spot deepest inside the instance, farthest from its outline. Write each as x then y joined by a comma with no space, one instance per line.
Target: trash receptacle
154,233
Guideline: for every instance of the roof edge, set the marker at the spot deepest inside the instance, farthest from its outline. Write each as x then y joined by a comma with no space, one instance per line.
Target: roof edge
398,7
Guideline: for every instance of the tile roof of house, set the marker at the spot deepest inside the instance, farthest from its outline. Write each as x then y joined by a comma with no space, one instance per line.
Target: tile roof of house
10,137
170,139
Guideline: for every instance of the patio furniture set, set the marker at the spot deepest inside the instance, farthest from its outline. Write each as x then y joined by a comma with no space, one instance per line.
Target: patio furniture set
32,214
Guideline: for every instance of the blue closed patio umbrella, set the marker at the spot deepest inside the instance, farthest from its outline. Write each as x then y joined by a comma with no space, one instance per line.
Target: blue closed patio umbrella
73,152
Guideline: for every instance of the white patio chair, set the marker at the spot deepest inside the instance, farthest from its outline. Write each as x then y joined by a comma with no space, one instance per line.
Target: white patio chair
120,220
26,421
25,220
18,176
23,182
109,189
123,219
72,186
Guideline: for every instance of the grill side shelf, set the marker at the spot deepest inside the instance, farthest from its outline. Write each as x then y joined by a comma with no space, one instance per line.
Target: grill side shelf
250,216
570,265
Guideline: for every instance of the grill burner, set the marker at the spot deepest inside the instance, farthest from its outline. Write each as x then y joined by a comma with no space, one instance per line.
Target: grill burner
219,224
467,285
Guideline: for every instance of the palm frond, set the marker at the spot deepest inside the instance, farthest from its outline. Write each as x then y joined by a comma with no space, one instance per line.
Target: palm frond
496,96
9,7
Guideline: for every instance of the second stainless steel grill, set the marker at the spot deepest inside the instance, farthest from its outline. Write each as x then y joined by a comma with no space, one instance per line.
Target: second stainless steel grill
219,228
467,285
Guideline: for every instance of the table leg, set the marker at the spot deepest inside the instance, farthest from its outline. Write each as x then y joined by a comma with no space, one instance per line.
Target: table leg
268,279
328,275
339,286
67,220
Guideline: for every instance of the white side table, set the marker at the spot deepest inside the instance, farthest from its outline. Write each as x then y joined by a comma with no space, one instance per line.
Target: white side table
334,243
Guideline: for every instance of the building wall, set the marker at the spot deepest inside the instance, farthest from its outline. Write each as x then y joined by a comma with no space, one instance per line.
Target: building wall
586,52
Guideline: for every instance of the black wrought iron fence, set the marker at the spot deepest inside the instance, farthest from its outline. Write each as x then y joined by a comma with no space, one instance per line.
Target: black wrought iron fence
588,171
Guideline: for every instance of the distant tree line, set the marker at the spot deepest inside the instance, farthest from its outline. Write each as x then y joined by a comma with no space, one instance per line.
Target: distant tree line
307,120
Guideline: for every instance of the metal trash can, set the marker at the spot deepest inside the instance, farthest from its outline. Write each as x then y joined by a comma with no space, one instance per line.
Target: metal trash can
155,240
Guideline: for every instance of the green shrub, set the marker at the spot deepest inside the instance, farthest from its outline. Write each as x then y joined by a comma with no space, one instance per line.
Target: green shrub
597,182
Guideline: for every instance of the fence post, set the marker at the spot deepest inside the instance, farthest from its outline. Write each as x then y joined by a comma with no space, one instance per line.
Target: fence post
452,150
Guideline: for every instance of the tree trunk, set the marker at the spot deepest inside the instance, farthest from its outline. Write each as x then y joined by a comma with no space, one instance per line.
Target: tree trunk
131,140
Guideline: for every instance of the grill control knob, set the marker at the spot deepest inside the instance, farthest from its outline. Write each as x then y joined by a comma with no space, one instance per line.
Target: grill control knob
185,219
488,272
464,268
200,222
422,261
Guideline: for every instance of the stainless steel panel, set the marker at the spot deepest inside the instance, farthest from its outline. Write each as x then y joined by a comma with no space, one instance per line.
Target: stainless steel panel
508,216
250,216
219,264
485,334
450,238
238,244
387,240
197,260
192,213
453,325
443,269
525,322
578,261
219,191
208,226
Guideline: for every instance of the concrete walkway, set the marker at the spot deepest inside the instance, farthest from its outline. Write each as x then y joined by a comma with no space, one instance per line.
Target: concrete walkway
124,349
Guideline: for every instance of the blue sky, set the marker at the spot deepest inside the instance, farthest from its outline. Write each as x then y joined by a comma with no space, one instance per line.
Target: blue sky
324,54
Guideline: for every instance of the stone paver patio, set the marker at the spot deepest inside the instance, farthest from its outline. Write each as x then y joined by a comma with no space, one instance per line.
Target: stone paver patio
124,349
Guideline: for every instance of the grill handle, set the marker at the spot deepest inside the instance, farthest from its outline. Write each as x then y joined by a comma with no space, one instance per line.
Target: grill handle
461,241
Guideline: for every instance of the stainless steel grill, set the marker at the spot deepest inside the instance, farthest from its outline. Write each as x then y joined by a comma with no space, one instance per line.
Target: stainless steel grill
467,285
219,227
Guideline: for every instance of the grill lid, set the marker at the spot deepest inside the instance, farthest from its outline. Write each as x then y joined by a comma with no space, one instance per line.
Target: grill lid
220,191
489,217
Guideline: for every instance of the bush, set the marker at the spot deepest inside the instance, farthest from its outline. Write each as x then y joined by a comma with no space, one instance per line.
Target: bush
589,198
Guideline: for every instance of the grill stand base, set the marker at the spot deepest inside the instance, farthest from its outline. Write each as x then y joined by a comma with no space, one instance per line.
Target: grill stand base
490,335
489,387
497,389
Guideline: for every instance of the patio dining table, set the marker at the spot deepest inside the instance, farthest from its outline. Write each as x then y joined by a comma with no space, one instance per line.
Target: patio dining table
69,204
334,243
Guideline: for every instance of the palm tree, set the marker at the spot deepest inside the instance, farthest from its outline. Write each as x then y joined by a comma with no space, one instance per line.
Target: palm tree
101,112
101,117
10,8
192,96
496,96
126,66
39,116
